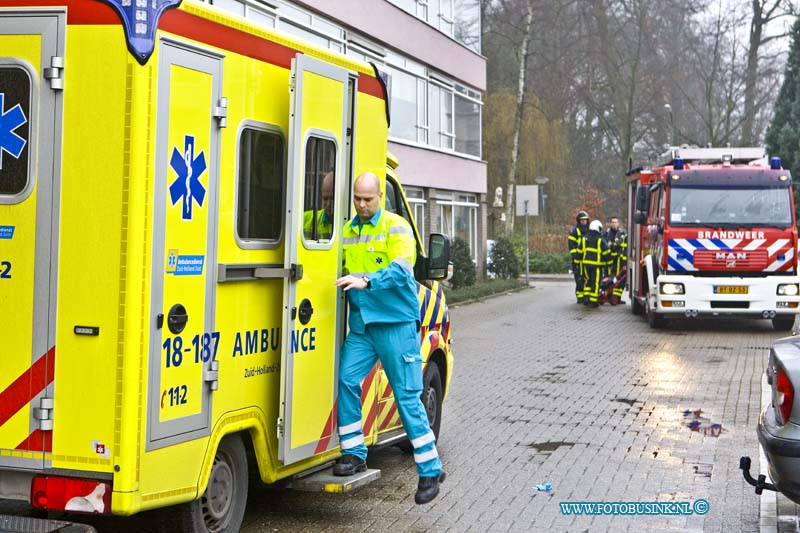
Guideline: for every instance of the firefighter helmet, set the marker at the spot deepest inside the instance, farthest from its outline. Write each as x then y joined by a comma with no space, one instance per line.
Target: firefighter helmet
580,215
596,225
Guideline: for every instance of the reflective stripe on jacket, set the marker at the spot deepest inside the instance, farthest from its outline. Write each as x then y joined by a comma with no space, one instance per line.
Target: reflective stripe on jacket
574,241
384,250
595,250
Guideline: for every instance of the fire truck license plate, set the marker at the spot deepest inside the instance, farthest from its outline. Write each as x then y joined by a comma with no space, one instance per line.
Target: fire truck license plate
729,289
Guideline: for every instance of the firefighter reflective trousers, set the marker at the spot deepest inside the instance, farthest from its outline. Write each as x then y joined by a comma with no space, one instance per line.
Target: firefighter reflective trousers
591,278
397,347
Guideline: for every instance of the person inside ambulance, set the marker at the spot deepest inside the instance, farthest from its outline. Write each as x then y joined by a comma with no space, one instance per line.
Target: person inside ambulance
324,216
379,251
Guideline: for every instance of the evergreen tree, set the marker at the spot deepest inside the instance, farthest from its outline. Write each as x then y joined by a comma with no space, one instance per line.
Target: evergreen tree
783,135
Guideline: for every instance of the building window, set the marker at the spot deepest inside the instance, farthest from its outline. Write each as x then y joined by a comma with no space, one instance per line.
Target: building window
261,14
404,102
416,201
467,23
310,27
260,192
467,122
319,190
458,219
440,115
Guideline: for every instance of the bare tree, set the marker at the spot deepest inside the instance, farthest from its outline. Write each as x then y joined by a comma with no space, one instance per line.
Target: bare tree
763,12
523,55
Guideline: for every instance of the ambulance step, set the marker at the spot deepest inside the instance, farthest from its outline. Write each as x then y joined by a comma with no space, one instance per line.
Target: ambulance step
27,524
325,481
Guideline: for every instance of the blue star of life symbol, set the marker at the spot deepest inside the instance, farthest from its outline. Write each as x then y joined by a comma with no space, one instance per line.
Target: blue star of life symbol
187,185
10,120
379,260
172,260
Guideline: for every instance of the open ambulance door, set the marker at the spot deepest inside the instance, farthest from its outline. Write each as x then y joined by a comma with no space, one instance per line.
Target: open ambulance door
31,60
317,188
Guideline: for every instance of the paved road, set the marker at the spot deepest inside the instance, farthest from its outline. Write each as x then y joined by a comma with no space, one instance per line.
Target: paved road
592,401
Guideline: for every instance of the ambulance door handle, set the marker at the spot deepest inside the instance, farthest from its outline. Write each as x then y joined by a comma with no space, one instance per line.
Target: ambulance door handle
160,321
305,311
177,318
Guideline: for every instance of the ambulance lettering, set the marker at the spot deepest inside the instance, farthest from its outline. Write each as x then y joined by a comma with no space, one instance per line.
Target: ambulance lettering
203,346
5,269
256,341
10,142
304,340
175,395
188,169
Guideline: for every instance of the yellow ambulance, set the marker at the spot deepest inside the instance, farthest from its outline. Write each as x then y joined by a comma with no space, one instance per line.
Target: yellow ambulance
170,322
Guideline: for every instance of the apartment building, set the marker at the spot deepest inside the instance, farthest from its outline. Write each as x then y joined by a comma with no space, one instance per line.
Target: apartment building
431,52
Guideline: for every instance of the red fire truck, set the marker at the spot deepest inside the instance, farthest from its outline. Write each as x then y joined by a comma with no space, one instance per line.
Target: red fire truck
713,234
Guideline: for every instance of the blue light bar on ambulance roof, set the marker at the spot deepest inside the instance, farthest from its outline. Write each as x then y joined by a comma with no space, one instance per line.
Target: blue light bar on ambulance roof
775,163
677,163
140,19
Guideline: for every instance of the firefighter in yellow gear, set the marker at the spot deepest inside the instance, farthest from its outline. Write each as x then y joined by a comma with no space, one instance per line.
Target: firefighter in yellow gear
595,256
574,241
617,239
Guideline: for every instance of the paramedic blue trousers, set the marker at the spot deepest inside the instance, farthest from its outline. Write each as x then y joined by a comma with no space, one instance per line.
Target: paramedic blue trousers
397,347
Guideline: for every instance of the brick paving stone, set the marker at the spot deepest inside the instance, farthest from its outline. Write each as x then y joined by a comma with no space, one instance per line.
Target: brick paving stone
591,401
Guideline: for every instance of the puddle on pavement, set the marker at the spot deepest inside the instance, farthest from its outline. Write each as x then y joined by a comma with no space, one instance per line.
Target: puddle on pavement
698,423
549,447
626,400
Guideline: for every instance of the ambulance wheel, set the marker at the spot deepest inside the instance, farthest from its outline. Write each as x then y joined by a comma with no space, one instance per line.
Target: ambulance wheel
221,507
783,323
432,401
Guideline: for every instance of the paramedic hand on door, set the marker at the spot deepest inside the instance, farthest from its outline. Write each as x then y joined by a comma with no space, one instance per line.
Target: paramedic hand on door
379,250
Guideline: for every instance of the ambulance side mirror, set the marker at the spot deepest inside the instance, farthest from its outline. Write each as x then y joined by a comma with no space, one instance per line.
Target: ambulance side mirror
438,258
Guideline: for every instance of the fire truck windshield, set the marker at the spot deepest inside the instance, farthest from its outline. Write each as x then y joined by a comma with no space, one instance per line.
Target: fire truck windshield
730,207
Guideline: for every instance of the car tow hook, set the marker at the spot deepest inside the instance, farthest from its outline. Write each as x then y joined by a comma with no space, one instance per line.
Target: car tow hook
761,483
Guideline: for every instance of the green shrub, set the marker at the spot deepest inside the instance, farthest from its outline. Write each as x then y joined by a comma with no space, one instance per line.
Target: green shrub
503,259
481,290
463,267
549,263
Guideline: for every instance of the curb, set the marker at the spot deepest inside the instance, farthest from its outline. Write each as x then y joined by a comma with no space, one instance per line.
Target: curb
488,296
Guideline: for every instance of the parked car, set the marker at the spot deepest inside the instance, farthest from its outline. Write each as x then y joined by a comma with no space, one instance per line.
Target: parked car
779,423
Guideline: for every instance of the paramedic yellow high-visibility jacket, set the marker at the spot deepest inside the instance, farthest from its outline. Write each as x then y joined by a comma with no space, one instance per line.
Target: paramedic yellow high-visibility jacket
324,225
384,250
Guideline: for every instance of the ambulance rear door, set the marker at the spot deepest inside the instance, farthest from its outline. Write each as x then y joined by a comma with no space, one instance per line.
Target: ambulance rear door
31,57
183,339
317,189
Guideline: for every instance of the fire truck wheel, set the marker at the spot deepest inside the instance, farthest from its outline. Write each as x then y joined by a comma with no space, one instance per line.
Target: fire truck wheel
636,306
221,507
654,320
432,401
783,323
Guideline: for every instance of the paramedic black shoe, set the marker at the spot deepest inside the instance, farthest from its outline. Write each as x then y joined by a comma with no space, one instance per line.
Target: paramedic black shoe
349,464
594,304
428,488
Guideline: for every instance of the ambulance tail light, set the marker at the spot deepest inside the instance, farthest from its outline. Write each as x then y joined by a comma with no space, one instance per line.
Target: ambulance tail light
56,493
784,395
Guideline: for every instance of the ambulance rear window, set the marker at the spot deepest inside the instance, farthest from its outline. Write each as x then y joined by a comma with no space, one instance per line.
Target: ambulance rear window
261,178
15,97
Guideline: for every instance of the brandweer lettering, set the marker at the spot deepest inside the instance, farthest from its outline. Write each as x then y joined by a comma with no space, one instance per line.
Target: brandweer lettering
730,234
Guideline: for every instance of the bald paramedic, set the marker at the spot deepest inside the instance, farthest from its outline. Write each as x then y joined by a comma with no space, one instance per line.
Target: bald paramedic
379,251
324,216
